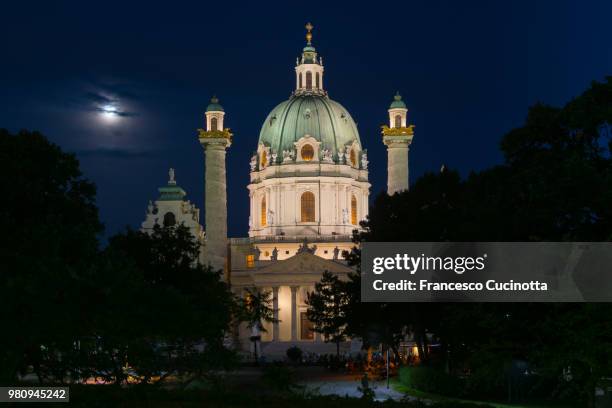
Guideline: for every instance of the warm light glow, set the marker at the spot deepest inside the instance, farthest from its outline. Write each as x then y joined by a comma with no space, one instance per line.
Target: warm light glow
250,261
307,152
264,160
264,216
308,207
353,210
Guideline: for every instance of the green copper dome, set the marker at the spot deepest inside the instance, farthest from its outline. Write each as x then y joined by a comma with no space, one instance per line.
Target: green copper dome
397,102
307,114
214,105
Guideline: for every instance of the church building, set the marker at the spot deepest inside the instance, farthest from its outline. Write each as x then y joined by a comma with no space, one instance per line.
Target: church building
308,192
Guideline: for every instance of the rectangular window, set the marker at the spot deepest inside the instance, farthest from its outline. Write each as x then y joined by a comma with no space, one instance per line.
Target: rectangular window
250,261
306,332
308,207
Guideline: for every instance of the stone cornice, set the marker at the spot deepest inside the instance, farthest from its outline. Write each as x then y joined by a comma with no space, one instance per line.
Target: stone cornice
310,169
397,140
204,135
221,142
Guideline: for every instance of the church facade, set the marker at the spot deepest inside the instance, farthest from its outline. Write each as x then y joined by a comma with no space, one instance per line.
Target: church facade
308,192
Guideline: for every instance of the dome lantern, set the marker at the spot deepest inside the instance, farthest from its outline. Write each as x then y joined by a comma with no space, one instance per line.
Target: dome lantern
397,112
309,69
214,115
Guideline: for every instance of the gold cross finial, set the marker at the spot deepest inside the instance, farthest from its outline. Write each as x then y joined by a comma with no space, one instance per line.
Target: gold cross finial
309,28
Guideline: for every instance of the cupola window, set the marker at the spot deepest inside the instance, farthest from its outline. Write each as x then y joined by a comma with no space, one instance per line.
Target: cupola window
308,207
307,152
213,124
308,80
318,81
398,121
300,80
353,210
264,160
264,213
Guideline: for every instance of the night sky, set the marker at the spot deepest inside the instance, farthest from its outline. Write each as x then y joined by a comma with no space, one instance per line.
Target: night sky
468,71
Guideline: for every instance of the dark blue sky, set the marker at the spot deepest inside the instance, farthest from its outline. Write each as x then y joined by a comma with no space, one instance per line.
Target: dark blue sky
468,71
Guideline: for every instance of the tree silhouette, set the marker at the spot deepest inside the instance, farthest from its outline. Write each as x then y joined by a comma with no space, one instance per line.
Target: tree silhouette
257,310
327,309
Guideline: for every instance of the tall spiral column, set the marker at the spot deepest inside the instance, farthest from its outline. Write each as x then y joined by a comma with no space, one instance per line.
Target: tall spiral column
215,140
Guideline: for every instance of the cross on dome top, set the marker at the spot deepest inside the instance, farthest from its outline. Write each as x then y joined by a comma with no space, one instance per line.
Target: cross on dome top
309,28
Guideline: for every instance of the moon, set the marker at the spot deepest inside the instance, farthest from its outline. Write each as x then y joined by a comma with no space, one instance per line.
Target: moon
110,113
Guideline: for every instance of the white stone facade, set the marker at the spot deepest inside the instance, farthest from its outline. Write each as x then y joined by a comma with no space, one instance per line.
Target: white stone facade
170,209
340,199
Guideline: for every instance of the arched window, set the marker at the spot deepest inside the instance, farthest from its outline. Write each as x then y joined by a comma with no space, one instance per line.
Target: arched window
307,152
213,124
264,213
398,121
318,82
300,80
169,219
308,80
264,160
353,210
353,158
308,207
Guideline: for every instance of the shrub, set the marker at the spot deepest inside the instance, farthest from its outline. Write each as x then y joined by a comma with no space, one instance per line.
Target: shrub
294,354
432,380
279,378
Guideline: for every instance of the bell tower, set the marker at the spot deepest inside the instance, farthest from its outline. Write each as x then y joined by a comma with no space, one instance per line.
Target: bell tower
397,136
215,139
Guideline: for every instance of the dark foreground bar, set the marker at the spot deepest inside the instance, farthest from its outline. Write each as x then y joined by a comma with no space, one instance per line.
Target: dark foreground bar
34,394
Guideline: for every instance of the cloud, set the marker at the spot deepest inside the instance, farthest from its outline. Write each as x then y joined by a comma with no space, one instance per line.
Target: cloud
99,98
105,102
115,111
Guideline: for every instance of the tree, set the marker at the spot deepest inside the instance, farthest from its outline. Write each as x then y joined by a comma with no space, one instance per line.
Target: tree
327,309
49,223
555,185
257,309
159,311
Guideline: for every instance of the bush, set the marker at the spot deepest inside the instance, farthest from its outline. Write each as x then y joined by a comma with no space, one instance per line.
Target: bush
294,354
432,380
279,378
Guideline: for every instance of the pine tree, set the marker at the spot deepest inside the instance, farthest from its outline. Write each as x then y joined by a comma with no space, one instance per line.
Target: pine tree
327,309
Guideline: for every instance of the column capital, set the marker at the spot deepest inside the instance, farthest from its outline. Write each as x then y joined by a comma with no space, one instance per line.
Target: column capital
218,141
398,131
397,141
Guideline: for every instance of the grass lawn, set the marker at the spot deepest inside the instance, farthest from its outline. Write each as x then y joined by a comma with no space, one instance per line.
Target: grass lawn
439,398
